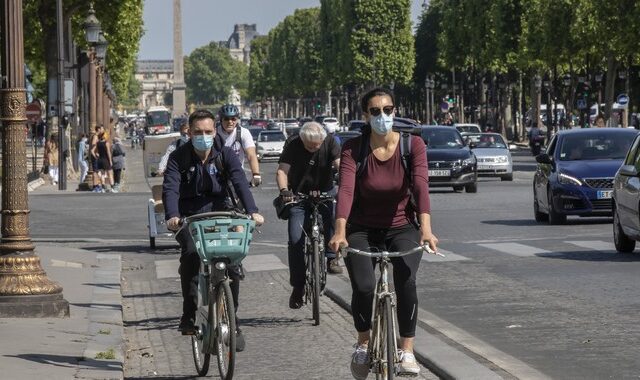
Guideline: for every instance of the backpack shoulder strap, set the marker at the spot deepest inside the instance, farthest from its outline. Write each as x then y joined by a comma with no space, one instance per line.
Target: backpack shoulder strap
405,152
365,149
226,180
239,135
184,158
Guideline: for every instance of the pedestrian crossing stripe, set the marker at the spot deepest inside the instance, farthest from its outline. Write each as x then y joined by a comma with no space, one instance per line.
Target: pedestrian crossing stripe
597,245
515,249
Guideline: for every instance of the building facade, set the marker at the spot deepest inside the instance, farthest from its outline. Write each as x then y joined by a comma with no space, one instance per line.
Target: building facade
239,43
156,77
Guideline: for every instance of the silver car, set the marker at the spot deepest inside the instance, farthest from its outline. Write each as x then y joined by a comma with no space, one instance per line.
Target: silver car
494,158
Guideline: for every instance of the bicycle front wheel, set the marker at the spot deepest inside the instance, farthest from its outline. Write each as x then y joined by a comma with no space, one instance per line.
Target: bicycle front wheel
225,334
200,342
390,341
315,286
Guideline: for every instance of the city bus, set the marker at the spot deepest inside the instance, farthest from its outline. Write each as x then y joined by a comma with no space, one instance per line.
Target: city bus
158,120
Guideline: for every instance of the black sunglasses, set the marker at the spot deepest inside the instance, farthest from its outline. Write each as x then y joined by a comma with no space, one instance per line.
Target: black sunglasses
229,118
375,111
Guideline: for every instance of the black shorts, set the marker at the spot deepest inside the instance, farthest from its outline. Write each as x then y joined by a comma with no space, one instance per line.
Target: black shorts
103,164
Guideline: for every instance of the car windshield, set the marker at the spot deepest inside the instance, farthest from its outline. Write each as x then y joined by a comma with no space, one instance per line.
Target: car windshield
271,137
602,146
442,139
158,118
486,140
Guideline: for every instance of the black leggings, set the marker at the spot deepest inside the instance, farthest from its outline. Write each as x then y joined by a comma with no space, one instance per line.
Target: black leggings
363,278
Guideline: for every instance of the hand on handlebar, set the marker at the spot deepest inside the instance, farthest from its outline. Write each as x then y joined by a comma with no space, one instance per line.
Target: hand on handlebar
173,224
286,195
429,239
337,243
259,219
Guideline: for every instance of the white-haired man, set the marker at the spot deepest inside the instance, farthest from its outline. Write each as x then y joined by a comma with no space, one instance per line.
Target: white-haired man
305,167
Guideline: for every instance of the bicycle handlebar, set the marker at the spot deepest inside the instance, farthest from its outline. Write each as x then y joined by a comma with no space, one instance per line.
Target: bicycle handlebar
210,215
387,254
320,197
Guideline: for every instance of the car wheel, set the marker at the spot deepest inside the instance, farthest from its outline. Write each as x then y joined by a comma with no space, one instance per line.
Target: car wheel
507,177
471,188
554,216
539,215
458,188
622,242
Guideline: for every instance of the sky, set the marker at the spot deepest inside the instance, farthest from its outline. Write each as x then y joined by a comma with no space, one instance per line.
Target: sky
204,21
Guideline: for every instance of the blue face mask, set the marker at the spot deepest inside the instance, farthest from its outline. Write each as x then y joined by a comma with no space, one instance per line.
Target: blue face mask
382,124
202,142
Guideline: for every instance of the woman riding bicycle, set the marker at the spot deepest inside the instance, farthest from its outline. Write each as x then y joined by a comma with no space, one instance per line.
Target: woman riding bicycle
374,211
193,184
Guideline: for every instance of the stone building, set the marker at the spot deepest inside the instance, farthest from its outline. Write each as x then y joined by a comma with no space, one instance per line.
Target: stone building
239,43
156,77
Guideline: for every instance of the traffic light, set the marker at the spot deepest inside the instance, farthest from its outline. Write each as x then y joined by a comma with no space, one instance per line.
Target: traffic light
318,105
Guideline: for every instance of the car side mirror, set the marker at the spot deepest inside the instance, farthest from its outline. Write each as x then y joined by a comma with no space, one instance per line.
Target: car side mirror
544,158
628,170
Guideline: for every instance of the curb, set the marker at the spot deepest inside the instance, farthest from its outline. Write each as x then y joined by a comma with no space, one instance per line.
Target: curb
431,351
106,330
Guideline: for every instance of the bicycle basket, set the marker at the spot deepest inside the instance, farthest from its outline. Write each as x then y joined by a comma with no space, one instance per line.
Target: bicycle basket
224,239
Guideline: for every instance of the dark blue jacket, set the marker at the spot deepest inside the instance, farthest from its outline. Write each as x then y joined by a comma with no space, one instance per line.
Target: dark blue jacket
183,191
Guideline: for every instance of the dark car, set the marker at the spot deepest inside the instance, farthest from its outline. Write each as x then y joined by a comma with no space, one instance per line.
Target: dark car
626,201
255,131
451,162
178,122
262,123
356,125
346,136
304,120
575,175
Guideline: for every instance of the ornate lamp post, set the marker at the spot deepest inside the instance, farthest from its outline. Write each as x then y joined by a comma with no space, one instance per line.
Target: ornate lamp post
546,82
566,82
25,290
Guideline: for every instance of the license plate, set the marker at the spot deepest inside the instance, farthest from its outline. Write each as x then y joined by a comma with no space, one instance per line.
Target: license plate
487,167
605,194
439,173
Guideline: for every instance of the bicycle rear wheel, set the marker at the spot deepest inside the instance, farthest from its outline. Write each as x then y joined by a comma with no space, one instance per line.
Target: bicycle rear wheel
315,286
200,342
225,333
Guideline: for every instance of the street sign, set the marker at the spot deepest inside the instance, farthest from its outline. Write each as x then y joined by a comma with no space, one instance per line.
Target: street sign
346,110
623,99
34,112
444,106
582,104
327,109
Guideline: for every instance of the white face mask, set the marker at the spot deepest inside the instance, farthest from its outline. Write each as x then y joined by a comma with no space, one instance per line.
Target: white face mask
382,124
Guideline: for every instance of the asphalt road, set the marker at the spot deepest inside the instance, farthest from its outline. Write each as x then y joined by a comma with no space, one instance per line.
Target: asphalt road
558,298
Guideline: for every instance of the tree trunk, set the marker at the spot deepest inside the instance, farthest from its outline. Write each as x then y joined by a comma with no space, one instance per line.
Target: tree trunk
609,91
536,96
508,121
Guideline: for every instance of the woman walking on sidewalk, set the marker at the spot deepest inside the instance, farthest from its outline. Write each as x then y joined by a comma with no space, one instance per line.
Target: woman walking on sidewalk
51,158
118,163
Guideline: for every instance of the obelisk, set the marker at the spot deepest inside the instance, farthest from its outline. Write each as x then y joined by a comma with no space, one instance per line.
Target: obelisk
179,97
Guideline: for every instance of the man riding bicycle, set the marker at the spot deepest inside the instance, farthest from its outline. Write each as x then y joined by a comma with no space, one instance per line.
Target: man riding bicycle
305,166
196,180
239,139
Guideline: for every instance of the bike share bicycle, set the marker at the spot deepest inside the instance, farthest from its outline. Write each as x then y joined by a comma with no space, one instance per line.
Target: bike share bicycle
221,239
314,248
382,349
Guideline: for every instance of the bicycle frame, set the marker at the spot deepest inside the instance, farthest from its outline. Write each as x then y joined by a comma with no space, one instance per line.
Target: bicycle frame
382,292
209,277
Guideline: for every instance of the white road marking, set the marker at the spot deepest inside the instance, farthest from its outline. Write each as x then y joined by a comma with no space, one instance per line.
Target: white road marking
257,263
448,256
515,249
597,245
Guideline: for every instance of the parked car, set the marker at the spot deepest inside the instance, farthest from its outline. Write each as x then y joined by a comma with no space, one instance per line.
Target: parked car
255,131
470,128
626,201
331,124
347,135
304,120
451,162
270,144
492,153
356,125
575,175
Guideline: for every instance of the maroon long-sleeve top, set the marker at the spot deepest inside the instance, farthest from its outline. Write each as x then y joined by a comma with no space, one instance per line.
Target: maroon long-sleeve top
382,193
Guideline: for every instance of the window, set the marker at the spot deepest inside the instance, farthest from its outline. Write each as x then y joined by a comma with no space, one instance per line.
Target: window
552,146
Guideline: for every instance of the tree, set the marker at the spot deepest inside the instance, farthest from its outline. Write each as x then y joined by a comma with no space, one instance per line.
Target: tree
260,84
210,71
121,23
131,97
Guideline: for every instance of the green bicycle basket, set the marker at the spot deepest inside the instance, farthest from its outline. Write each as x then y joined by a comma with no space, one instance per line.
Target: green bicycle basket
216,239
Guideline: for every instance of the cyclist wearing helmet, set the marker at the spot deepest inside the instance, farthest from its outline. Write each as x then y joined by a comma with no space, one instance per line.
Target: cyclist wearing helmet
239,139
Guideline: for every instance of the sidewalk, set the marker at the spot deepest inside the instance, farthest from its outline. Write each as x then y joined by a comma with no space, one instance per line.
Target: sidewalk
88,344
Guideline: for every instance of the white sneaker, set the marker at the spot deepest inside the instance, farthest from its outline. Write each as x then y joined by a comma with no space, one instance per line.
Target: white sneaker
408,365
360,362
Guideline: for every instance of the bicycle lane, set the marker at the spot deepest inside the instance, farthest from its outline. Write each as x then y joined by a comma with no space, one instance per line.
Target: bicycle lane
281,343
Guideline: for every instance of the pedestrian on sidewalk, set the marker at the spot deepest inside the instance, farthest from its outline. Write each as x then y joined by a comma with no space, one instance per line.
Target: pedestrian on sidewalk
51,157
101,152
83,165
97,180
384,217
117,152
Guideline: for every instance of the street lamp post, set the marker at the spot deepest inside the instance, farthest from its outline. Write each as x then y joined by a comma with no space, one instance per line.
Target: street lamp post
25,290
537,84
547,86
566,82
